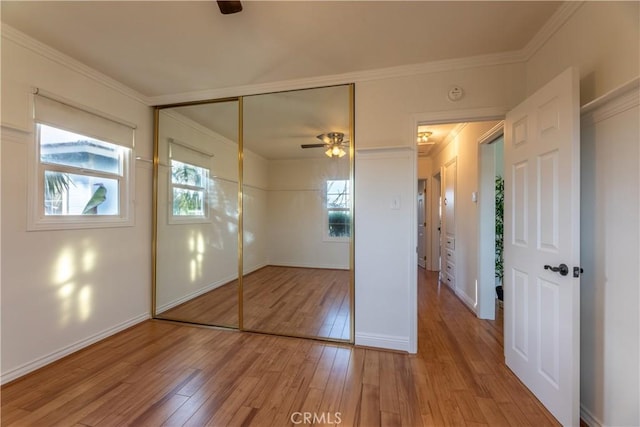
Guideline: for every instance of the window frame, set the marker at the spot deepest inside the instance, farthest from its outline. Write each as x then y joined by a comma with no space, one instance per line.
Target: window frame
37,219
188,219
326,237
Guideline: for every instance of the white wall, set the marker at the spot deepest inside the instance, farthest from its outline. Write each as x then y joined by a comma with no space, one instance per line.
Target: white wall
62,290
610,248
296,203
603,40
385,260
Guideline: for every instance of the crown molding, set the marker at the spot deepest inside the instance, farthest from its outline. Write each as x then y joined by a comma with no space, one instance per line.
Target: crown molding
557,20
614,102
338,79
18,37
492,134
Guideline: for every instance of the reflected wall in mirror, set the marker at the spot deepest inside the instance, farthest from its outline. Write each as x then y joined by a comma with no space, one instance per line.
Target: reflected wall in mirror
297,213
197,214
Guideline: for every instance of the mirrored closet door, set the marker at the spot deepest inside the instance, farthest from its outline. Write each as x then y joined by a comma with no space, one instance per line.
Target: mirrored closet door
254,213
297,194
197,214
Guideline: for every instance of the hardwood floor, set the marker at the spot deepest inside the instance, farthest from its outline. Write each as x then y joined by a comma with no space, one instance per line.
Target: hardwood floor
284,300
167,374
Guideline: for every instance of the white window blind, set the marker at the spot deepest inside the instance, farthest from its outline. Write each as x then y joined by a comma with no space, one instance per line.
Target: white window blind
187,154
64,116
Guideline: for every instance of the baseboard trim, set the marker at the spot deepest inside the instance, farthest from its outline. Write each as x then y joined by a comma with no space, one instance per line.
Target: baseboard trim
391,342
588,418
22,370
195,294
304,265
466,300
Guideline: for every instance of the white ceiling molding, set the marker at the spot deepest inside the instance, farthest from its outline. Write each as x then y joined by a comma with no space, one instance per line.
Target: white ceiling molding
614,102
48,52
492,133
557,20
457,116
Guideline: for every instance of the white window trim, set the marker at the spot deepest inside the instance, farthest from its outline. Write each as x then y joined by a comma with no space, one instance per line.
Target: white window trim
38,221
188,219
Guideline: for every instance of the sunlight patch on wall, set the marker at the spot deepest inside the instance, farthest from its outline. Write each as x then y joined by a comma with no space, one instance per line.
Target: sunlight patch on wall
197,248
88,260
64,268
84,303
70,267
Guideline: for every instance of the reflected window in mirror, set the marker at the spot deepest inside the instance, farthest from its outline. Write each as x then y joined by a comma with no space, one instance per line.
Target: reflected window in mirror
337,210
188,184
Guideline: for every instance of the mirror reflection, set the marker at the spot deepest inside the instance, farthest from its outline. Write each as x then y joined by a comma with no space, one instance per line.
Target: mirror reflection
294,218
197,214
297,213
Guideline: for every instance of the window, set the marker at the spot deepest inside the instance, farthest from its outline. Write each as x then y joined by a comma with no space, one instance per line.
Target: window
188,190
338,210
188,183
82,175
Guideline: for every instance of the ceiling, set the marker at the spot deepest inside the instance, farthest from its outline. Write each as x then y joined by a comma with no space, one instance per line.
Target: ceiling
170,47
162,49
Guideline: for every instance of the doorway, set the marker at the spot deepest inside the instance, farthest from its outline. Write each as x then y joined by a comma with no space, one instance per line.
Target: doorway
490,232
452,166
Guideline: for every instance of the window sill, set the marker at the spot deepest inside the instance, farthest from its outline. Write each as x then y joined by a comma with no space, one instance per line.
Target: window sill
78,223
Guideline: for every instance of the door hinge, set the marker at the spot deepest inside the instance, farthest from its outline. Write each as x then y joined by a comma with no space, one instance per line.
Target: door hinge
577,271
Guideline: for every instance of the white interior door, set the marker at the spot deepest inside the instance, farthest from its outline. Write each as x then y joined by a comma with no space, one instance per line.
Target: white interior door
542,237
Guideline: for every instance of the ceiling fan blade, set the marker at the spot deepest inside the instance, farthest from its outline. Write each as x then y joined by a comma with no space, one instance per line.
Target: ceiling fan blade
331,137
312,145
228,7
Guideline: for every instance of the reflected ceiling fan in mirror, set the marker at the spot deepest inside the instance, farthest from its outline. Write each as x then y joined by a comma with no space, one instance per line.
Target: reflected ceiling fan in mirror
228,7
333,142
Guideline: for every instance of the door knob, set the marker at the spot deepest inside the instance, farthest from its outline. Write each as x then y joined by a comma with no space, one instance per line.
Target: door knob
562,269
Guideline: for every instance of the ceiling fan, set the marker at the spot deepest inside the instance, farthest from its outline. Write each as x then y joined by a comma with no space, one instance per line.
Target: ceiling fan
332,141
228,7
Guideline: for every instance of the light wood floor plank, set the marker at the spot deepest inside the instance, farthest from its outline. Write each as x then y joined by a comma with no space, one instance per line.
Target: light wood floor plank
163,373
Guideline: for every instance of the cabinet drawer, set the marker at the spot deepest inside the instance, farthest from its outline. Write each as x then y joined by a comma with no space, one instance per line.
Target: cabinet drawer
451,242
451,269
451,282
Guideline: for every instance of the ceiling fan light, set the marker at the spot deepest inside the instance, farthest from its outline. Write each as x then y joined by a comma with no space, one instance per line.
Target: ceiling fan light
423,138
335,151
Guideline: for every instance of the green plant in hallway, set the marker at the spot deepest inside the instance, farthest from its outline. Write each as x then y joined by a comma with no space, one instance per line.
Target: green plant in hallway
499,235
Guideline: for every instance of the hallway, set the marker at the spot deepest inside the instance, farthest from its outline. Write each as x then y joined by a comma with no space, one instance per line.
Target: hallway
162,373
